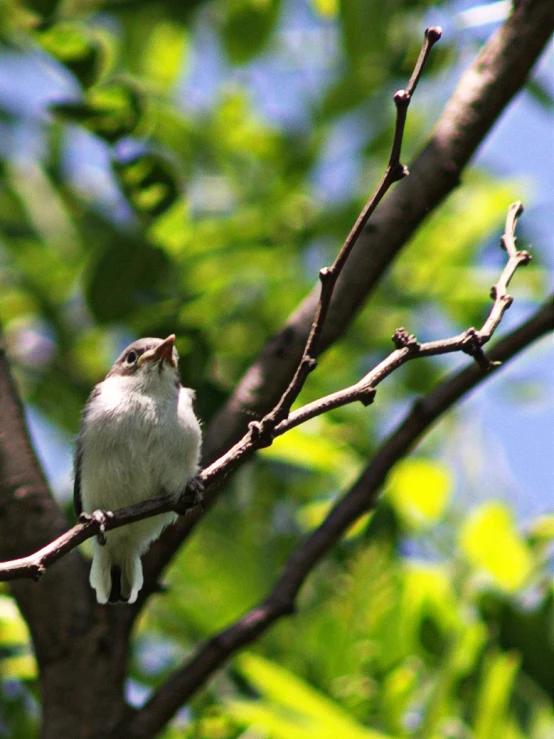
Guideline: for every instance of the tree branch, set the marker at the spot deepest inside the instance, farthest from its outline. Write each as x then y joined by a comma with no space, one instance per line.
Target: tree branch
33,566
486,88
484,91
260,435
29,517
328,276
360,499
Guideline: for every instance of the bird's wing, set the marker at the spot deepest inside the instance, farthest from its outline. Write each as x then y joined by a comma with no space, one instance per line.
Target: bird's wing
77,501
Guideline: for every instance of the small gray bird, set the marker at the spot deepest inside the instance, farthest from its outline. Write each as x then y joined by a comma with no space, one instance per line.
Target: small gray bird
139,439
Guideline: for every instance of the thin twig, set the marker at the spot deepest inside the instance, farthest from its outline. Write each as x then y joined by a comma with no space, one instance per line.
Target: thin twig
360,499
407,348
329,275
502,300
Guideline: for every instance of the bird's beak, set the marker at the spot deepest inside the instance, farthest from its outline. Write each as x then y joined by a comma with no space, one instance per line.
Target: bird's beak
162,353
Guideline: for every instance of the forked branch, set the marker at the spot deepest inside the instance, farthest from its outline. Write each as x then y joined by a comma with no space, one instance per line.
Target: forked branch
360,499
328,276
407,348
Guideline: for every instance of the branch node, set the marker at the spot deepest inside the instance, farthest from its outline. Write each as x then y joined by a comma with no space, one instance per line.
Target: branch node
524,256
401,98
261,433
471,344
399,171
368,396
37,571
403,340
99,517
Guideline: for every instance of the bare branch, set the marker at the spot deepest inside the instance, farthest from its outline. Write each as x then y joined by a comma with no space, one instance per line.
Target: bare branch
34,565
502,301
360,499
260,434
407,348
486,88
329,275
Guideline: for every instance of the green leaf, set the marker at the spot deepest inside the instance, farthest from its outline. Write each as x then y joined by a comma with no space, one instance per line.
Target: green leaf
541,94
247,27
491,542
438,267
125,276
149,182
326,8
77,48
420,489
309,447
291,708
17,660
110,112
163,59
491,716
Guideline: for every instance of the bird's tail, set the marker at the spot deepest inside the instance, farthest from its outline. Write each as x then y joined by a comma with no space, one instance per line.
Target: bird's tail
116,572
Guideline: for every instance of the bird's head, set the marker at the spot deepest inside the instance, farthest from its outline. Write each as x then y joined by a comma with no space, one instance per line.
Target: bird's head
150,362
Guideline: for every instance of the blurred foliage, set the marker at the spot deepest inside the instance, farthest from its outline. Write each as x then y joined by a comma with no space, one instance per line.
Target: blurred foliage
385,644
187,167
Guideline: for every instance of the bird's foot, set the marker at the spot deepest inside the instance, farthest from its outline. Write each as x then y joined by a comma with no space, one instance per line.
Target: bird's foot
196,487
101,518
192,496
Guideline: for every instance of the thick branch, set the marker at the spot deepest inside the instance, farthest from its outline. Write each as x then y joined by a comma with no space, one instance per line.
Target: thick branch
361,498
261,434
486,88
29,517
470,341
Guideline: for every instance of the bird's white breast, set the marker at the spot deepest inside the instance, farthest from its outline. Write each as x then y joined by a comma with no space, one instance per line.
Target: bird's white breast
137,445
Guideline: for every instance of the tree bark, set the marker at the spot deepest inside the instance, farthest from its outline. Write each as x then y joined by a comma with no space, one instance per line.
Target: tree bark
80,647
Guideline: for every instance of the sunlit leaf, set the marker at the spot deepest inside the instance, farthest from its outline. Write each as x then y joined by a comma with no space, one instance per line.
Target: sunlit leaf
428,599
16,660
542,529
326,8
164,56
149,182
76,48
420,490
13,629
311,515
309,448
294,709
438,263
110,112
491,717
491,542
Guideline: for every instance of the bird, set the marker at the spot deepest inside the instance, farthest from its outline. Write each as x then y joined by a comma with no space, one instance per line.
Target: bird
139,439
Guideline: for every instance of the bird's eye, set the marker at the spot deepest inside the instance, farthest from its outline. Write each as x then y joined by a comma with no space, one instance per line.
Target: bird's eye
131,358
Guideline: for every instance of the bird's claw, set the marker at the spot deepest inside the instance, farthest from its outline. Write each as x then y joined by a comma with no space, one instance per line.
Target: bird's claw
196,487
101,518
